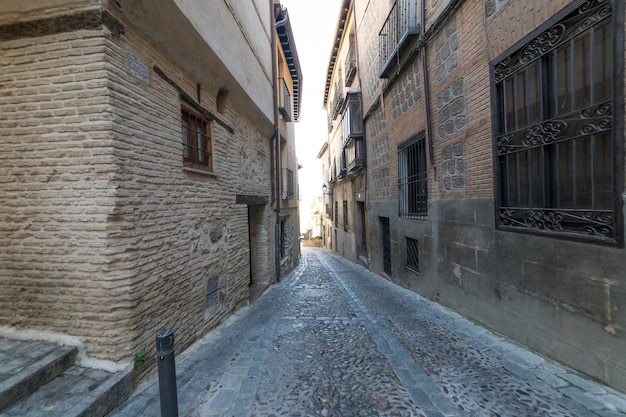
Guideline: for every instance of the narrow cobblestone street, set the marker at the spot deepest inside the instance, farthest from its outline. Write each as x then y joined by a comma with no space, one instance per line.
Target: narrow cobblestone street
333,339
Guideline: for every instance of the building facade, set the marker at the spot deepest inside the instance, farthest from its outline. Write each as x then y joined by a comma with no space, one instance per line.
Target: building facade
495,165
344,154
140,183
288,90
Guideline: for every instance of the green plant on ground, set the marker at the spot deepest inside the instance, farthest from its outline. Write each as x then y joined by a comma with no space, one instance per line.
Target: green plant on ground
140,358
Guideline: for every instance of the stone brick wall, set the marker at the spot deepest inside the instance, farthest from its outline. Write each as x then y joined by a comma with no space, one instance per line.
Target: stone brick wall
559,297
55,193
104,234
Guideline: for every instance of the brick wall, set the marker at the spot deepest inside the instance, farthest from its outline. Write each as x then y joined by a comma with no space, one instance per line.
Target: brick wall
557,296
55,194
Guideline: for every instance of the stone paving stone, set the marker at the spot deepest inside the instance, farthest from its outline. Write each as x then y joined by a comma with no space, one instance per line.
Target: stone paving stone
334,340
586,385
619,402
590,401
549,378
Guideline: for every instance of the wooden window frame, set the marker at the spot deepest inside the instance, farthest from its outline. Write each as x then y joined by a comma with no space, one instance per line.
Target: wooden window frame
196,140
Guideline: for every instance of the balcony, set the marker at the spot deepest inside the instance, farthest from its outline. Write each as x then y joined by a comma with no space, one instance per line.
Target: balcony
343,167
400,27
355,154
352,120
338,99
350,64
352,133
284,99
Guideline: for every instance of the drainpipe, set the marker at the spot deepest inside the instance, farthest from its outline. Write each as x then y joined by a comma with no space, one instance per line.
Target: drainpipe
429,117
276,141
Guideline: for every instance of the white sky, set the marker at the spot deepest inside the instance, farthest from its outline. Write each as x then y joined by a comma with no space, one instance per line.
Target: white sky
313,23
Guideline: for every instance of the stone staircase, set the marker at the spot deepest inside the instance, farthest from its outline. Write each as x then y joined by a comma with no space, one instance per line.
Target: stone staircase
42,379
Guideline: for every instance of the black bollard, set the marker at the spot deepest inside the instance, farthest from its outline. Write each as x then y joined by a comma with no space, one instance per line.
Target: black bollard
167,373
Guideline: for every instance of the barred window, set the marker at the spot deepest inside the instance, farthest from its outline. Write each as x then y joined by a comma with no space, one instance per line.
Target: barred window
412,177
336,213
345,215
412,260
196,137
555,136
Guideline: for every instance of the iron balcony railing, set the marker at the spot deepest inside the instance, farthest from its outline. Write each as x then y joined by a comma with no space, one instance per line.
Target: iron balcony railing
350,64
338,99
401,24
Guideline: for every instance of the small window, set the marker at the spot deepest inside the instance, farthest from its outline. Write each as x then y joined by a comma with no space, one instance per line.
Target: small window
196,140
345,215
336,213
412,260
211,292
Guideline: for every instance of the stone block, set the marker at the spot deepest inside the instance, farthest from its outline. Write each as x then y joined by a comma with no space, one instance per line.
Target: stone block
548,283
590,298
461,255
459,211
484,212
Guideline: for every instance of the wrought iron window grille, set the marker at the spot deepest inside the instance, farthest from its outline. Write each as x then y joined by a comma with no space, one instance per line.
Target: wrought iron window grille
555,132
413,178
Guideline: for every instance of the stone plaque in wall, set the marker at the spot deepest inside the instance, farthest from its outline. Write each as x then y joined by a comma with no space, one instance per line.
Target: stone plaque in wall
138,67
452,109
453,167
492,6
447,50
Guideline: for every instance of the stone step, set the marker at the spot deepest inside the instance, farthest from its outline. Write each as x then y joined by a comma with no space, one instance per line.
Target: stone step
41,379
27,365
78,392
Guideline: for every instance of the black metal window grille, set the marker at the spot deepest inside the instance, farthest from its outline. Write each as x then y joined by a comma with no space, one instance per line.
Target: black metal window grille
412,260
412,178
555,133
289,189
345,215
196,140
212,295
386,235
336,213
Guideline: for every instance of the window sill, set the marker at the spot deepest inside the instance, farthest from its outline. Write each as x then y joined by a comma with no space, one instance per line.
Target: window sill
199,171
412,271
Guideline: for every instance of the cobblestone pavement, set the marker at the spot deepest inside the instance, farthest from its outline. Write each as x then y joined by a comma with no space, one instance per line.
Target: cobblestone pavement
333,339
